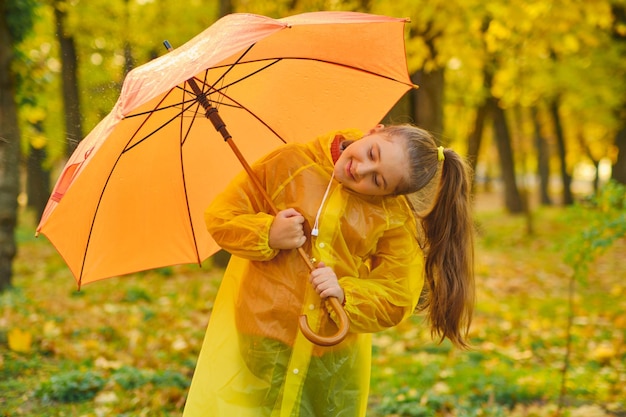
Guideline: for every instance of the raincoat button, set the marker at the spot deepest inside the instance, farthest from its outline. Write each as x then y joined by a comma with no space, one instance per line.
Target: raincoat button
311,307
295,371
321,245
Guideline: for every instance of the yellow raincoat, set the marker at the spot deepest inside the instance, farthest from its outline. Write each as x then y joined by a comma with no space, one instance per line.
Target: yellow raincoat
254,360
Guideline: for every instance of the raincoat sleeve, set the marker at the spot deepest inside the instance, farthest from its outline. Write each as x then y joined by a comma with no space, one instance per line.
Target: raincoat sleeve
387,292
238,220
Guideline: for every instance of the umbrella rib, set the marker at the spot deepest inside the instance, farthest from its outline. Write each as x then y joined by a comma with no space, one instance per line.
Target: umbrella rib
182,143
143,113
158,128
242,107
219,90
193,119
351,67
230,66
276,60
221,77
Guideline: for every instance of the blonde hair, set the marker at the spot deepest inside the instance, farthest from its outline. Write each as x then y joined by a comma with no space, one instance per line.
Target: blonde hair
446,219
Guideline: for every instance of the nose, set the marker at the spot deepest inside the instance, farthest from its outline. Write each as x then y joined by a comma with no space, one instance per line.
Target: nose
362,169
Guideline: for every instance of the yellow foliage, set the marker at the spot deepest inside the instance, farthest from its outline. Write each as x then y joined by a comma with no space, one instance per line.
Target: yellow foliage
51,329
38,141
570,43
603,353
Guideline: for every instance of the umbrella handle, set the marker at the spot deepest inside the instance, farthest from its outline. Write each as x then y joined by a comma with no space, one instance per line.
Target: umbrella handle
342,327
332,340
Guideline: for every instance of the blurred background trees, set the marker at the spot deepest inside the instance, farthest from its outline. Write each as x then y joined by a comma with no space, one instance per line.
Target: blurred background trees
15,25
532,91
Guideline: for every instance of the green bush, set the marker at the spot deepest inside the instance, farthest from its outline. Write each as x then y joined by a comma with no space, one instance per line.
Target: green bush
603,221
170,379
136,294
72,386
130,378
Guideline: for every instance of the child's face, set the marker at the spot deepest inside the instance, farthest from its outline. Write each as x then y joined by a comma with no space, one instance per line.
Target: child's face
374,165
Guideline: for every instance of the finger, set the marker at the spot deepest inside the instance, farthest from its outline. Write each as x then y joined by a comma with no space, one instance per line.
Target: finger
332,291
318,280
319,272
327,291
296,225
298,219
320,269
318,286
301,241
290,212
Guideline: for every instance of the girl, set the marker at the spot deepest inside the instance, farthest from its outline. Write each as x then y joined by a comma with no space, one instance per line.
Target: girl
375,255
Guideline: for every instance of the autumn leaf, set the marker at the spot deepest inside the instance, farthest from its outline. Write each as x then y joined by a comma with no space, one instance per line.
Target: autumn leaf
20,340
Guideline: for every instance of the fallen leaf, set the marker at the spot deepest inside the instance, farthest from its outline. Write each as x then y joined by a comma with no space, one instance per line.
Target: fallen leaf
20,340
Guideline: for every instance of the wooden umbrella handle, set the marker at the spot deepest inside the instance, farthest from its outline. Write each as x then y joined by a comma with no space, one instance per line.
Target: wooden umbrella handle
342,328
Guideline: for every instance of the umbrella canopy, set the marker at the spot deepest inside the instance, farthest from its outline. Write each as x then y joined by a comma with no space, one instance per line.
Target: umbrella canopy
133,194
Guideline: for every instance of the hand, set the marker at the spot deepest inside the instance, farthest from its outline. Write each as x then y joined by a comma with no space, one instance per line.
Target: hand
287,230
325,282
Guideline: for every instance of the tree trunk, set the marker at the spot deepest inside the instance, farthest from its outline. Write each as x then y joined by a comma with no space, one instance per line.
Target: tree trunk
9,155
71,102
129,60
596,162
619,169
543,160
428,101
225,7
566,179
618,173
512,198
37,181
475,137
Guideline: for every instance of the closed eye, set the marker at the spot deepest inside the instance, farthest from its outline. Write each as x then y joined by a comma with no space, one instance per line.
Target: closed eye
377,179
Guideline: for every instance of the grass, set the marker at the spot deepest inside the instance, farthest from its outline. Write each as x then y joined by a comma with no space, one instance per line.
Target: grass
127,346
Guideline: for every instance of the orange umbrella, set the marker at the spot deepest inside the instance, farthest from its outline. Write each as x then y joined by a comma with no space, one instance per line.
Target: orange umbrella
133,194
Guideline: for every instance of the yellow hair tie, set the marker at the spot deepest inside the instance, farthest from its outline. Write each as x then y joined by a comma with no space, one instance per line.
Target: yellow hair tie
440,155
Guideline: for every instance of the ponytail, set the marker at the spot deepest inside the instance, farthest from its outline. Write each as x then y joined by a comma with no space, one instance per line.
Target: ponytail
449,266
438,189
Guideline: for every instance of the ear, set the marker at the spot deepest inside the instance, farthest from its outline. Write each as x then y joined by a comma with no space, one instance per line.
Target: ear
376,128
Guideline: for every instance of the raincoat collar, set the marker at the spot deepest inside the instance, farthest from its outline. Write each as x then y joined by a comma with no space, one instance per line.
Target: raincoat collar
331,142
335,148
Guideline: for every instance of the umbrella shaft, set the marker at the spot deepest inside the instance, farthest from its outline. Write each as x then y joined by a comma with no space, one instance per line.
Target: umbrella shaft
211,112
218,122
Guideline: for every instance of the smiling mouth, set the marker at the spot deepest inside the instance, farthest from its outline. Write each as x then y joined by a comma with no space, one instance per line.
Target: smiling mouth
349,170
